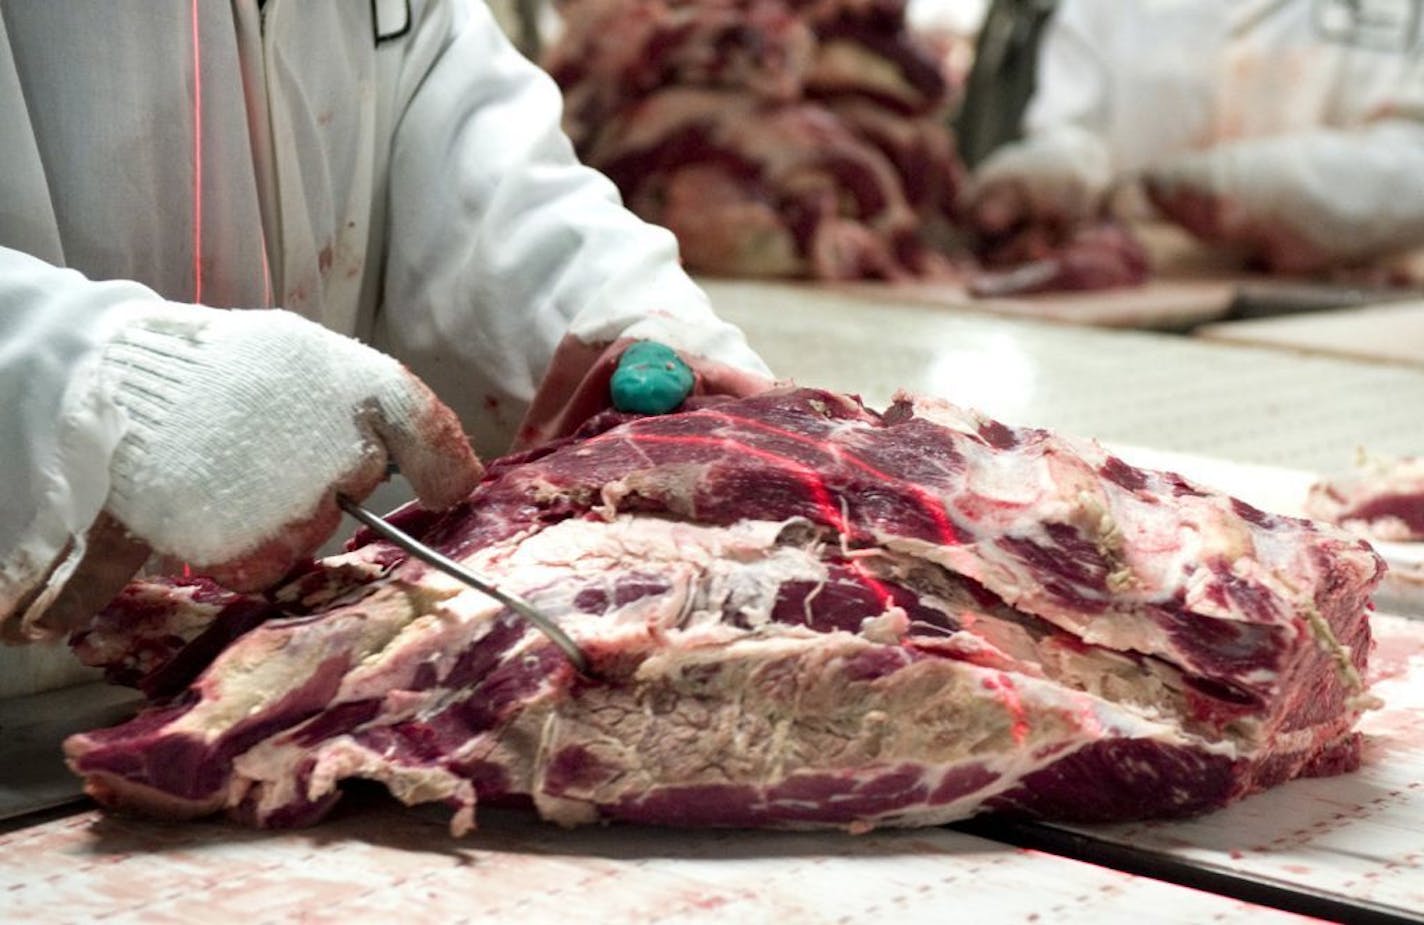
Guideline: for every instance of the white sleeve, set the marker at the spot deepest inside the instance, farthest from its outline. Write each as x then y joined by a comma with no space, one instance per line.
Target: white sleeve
1064,149
1353,193
501,242
1072,85
60,426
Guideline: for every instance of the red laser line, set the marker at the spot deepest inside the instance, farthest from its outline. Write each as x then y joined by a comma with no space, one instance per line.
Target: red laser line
808,477
887,599
931,504
1008,695
197,160
266,270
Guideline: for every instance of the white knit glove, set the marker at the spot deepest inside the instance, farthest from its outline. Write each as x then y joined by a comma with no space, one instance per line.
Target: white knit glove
242,427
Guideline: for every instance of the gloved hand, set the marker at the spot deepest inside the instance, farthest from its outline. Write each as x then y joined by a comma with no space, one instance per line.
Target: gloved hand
1055,180
581,377
1195,193
242,427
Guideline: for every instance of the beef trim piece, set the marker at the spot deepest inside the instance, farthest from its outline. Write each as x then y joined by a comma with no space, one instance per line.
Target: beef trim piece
799,612
1093,258
1382,499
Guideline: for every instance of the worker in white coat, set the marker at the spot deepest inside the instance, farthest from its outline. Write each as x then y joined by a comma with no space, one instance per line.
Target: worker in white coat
393,171
1290,129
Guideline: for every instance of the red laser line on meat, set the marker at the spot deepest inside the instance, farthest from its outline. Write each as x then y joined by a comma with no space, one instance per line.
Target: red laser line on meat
928,502
887,600
1088,720
1003,686
821,495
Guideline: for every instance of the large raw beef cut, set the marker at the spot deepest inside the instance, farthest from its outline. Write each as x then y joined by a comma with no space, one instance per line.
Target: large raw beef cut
798,612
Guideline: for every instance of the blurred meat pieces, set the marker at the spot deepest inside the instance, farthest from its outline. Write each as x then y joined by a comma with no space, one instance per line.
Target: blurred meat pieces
776,138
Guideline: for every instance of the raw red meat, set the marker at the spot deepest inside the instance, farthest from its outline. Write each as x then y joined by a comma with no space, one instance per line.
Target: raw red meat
799,613
1095,257
775,138
756,190
158,637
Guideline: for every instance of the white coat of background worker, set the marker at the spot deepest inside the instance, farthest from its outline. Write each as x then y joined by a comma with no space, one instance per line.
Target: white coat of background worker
393,171
1292,130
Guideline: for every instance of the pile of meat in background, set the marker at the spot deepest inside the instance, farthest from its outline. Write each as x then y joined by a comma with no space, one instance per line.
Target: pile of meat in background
775,138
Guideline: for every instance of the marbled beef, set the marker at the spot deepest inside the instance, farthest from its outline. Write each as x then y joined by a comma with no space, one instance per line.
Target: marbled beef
799,612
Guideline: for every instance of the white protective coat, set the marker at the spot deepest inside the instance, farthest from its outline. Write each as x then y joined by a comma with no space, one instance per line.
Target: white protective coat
393,171
1281,105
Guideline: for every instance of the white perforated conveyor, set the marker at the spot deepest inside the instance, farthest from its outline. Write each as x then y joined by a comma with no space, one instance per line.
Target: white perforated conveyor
381,865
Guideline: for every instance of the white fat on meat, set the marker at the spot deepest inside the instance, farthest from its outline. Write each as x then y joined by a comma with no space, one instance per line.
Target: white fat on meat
993,618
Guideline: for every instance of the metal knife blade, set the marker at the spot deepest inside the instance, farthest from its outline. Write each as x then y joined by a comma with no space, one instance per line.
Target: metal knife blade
424,553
